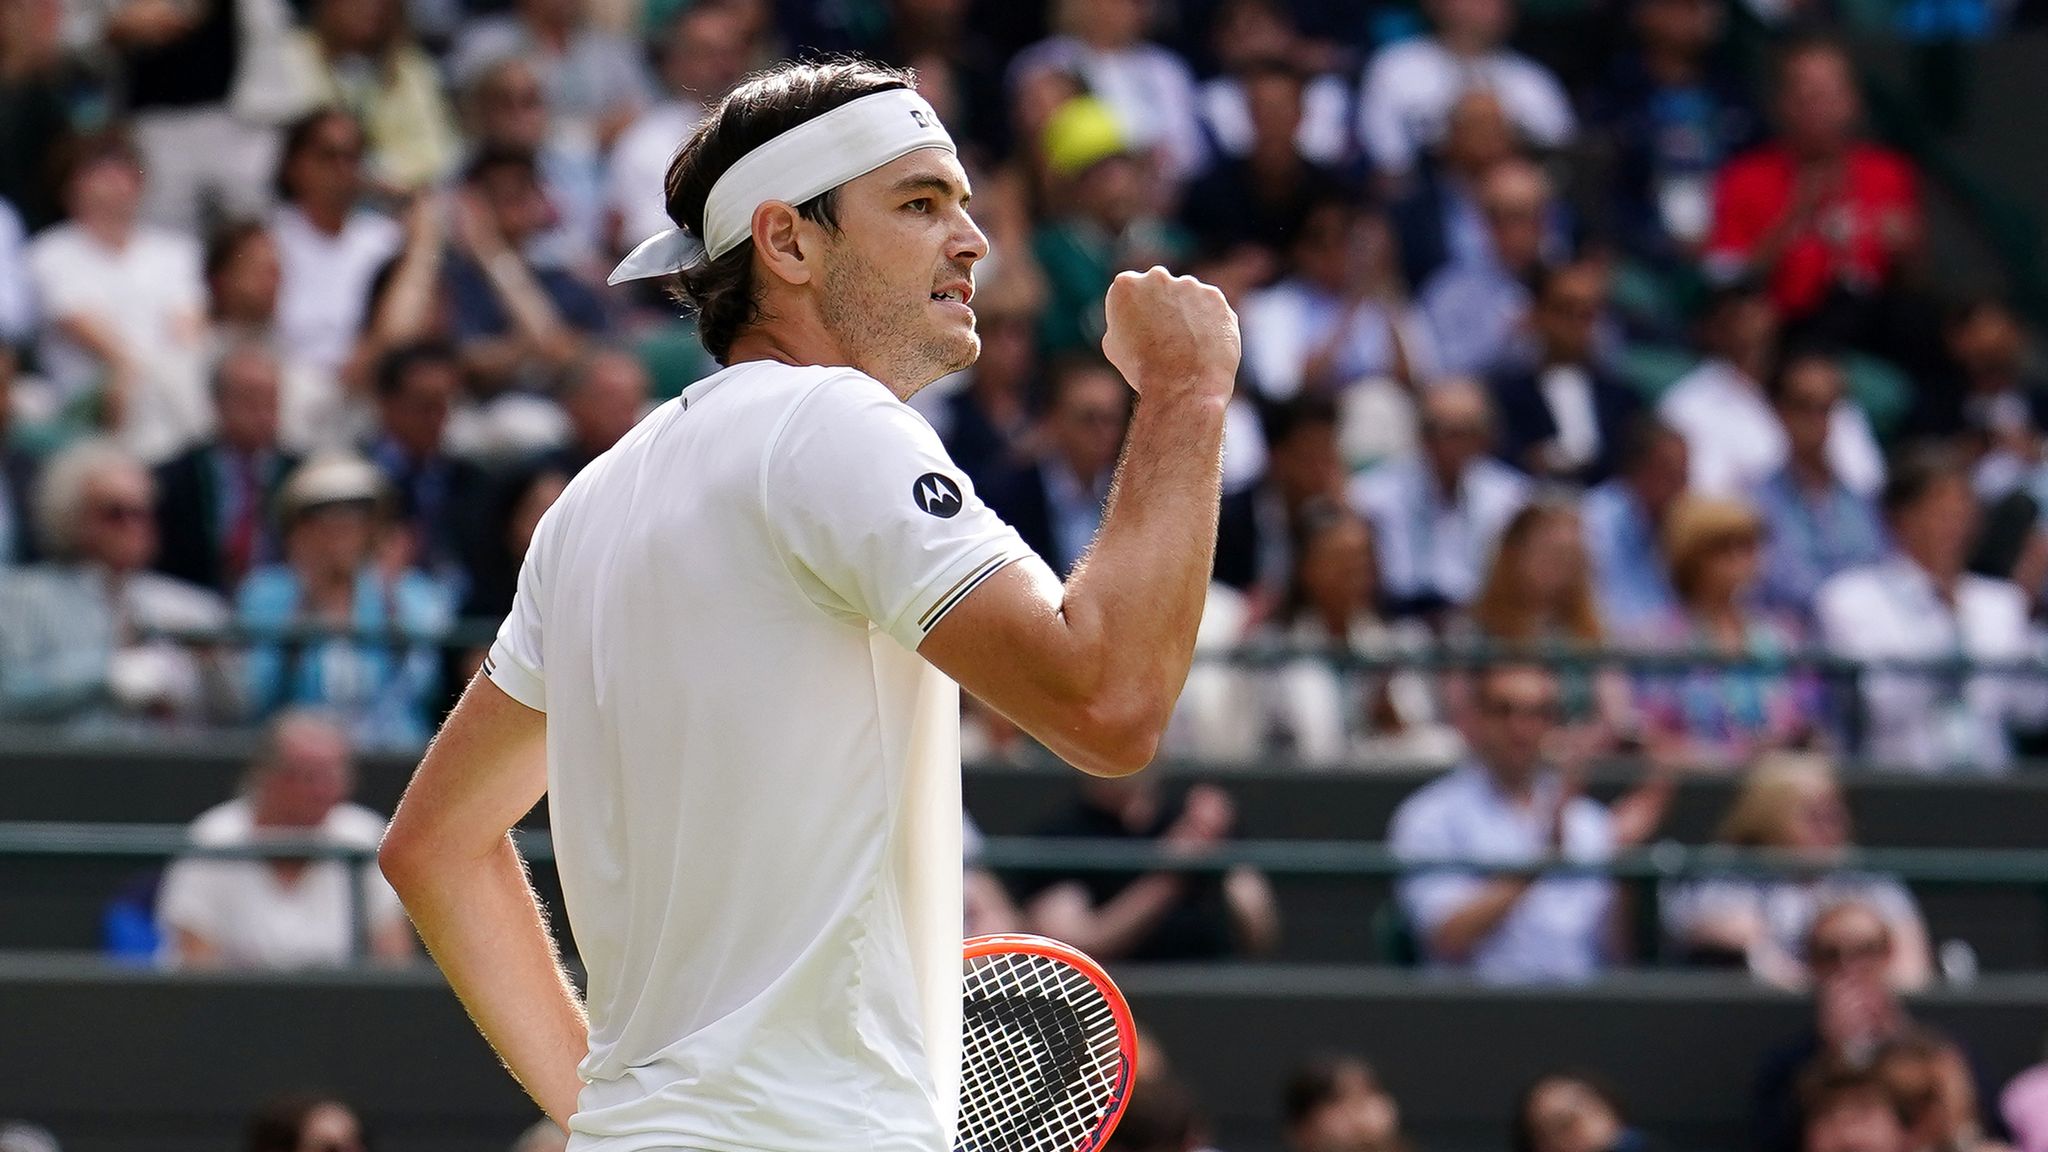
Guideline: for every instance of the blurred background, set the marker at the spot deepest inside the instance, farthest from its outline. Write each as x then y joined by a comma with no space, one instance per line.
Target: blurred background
1620,710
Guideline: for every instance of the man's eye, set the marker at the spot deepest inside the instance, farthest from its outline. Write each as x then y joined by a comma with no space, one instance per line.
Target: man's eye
920,205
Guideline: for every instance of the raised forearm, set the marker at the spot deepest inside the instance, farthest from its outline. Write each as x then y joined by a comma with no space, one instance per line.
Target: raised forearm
1461,934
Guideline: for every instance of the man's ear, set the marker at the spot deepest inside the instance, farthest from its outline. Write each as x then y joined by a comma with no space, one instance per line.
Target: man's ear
780,243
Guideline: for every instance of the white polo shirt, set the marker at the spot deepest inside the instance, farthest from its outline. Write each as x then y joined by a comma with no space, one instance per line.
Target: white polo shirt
754,780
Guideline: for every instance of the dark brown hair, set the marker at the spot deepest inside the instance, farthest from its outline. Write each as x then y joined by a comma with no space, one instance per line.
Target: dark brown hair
722,292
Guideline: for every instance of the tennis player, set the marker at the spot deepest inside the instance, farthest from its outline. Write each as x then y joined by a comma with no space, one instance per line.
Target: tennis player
731,664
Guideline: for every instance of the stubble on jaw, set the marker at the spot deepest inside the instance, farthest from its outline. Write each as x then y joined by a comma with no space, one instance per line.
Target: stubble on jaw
885,331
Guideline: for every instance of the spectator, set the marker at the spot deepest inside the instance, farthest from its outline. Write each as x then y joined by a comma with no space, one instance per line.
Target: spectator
122,305
439,496
381,672
1720,717
988,908
1264,194
329,246
357,56
1161,1117
1314,706
17,1136
1335,1103
1247,36
1815,524
513,318
1539,592
1506,804
1056,502
214,500
1922,605
78,631
1931,1085
595,80
17,479
1438,211
43,88
17,292
283,913
306,1124
1827,219
1625,519
506,111
1147,88
1155,915
244,275
1562,417
1734,439
1340,318
1574,1112
1475,308
1992,400
544,1136
519,504
1409,86
1667,116
603,397
704,52
1304,470
206,86
1849,1109
1791,803
2023,1105
1436,512
987,423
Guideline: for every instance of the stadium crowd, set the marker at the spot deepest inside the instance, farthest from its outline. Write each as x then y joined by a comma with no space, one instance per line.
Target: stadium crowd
1613,331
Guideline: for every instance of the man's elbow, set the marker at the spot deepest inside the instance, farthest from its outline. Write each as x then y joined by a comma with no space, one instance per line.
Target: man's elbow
402,856
1120,735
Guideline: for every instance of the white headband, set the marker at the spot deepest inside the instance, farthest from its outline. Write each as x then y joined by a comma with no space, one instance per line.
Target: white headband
810,159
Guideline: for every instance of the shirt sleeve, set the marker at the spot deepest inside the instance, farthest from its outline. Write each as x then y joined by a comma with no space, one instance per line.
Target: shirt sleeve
514,662
1429,898
871,515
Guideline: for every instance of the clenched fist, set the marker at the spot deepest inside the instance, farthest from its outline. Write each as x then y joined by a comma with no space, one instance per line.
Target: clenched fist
1171,335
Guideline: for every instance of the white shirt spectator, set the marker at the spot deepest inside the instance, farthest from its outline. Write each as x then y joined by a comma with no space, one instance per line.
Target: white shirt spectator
594,74
17,298
258,920
151,296
639,168
1427,544
325,285
1736,443
1933,723
1410,86
1149,88
1785,908
1325,133
1556,931
1286,324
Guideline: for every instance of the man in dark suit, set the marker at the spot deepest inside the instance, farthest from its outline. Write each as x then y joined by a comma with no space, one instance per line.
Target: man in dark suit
1055,502
441,499
214,502
1562,416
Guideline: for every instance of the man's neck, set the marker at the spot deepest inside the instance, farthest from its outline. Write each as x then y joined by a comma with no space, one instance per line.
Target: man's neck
801,341
326,216
1811,472
1448,481
108,231
1944,577
1519,788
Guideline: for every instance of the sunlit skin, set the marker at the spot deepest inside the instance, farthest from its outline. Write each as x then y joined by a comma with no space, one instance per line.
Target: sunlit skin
887,292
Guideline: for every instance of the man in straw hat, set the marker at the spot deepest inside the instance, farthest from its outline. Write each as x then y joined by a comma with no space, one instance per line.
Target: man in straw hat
732,657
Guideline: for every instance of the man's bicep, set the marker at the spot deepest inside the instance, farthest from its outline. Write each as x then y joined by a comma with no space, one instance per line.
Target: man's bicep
1007,644
487,768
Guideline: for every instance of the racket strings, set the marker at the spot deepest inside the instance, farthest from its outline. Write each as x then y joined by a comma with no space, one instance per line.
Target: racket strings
1042,1061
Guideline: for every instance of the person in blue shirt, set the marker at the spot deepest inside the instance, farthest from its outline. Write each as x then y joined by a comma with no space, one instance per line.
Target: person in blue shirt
1815,525
1624,518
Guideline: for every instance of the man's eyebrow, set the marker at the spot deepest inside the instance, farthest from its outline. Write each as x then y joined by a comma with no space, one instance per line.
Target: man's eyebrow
928,183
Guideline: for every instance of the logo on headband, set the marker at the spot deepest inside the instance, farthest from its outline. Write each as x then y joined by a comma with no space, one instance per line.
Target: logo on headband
918,115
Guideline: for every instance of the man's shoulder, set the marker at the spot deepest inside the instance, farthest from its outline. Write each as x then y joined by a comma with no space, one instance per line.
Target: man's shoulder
1443,798
349,823
229,822
1405,57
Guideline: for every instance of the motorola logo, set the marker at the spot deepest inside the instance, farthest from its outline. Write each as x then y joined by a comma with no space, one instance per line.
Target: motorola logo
937,494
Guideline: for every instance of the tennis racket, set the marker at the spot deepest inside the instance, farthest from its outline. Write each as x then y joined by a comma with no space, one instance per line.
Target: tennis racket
1048,1048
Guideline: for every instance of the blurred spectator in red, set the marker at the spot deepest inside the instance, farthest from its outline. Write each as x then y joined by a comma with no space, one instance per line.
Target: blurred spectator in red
1847,1108
1264,194
439,496
1539,592
1722,408
595,80
704,52
1791,803
357,55
244,275
1340,317
1147,88
283,913
1625,518
1574,1112
1436,512
1991,401
214,501
1517,799
505,110
1827,218
1922,605
516,321
380,668
329,245
1718,718
306,1124
1475,308
1563,416
1154,915
1931,1084
206,86
123,306
1055,502
1247,36
1334,1102
1666,118
77,631
1438,212
1815,524
603,396
1409,86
